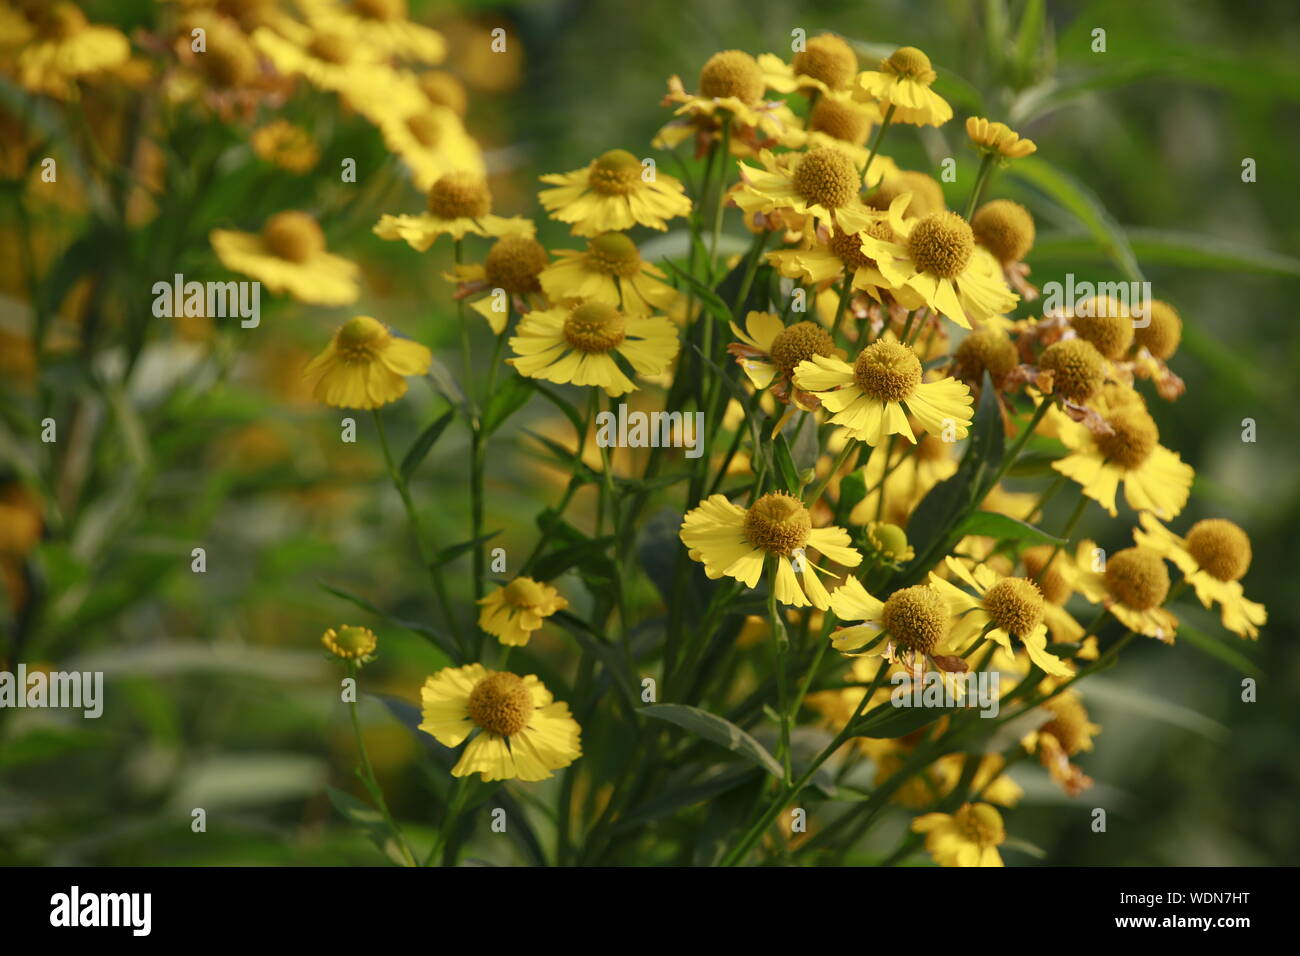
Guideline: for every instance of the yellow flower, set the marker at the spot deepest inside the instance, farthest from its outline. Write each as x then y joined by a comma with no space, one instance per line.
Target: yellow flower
1213,557
60,47
289,255
431,140
735,541
381,24
916,624
577,346
904,479
1155,479
1067,733
935,256
1132,584
459,204
903,82
969,837
998,138
769,352
1055,580
839,120
869,397
512,612
328,58
836,253
351,643
826,64
614,193
510,274
286,145
612,271
365,365
817,187
731,84
1014,606
520,732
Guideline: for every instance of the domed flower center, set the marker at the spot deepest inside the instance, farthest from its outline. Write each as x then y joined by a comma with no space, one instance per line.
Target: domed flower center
361,338
331,47
826,177
981,825
1015,605
840,119
829,59
595,327
501,704
986,350
917,618
514,263
848,247
1105,323
1132,439
908,61
1162,336
1005,229
524,592
1076,369
1137,578
355,641
615,173
888,371
380,9
614,254
732,73
426,130
941,244
460,195
799,343
294,236
778,523
1051,582
1220,547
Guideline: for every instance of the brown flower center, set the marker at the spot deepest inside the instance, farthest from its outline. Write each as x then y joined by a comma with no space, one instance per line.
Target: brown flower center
425,128
840,119
360,339
614,173
908,61
1164,332
732,73
380,9
1220,547
1137,578
888,371
917,618
293,235
1105,323
514,263
799,343
1015,605
1132,439
595,327
829,59
331,47
460,195
778,523
614,254
501,704
826,177
1076,369
1005,229
941,244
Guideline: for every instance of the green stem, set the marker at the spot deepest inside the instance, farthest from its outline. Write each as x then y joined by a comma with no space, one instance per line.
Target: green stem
876,141
981,180
367,773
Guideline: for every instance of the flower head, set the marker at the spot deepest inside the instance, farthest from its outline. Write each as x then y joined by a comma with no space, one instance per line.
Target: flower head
289,255
769,351
609,270
517,730
998,138
365,365
351,643
903,82
1133,584
612,194
513,611
969,837
913,626
459,204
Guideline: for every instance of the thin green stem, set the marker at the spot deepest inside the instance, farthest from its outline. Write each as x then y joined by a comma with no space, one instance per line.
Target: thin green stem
367,773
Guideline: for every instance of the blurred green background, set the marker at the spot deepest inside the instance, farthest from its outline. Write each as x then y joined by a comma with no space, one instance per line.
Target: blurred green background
219,696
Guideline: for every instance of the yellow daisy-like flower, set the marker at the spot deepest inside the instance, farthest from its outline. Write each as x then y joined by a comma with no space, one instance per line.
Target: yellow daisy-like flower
1155,479
59,47
903,82
381,24
1055,580
519,731
351,643
459,204
835,253
327,58
1014,606
1067,733
365,365
510,274
769,352
289,255
609,270
826,64
1132,584
916,623
817,187
904,479
286,145
1214,556
614,193
734,541
998,138
432,141
872,397
732,85
969,837
935,256
512,612
577,346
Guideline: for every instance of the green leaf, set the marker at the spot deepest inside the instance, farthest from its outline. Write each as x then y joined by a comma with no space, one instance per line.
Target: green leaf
505,401
718,730
1211,645
422,445
1084,205
1138,702
371,822
1169,247
724,780
991,524
785,465
853,489
901,721
571,413
454,551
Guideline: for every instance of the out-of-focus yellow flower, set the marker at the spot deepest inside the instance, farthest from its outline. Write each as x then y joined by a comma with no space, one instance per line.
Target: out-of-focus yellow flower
613,194
1069,732
998,138
512,612
969,837
519,730
381,24
287,145
903,82
351,643
510,274
734,541
289,255
609,270
826,64
577,346
329,59
459,204
365,365
431,140
444,89
57,47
